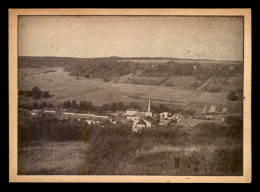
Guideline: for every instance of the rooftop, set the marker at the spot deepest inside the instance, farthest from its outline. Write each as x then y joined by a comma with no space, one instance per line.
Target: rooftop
150,119
131,110
141,122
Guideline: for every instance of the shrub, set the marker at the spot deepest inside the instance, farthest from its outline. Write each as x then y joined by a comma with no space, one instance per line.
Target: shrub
21,92
45,94
42,105
28,93
214,89
225,81
196,84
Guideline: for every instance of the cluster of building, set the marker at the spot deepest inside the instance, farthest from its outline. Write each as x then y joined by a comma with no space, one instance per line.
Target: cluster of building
146,119
139,119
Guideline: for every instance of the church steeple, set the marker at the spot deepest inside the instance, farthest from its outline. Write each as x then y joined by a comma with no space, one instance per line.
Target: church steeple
148,112
149,106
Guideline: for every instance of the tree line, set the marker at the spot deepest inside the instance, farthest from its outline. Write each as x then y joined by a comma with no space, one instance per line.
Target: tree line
36,105
88,106
36,93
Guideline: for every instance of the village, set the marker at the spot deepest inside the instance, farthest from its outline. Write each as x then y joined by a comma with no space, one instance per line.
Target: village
138,119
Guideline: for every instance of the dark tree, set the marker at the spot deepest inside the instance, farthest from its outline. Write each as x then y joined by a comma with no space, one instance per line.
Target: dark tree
67,104
106,107
89,106
162,108
74,104
42,105
113,107
36,93
133,105
84,105
232,96
35,105
239,90
50,105
120,105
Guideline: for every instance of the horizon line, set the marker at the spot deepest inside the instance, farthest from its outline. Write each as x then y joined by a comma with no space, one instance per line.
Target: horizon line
129,57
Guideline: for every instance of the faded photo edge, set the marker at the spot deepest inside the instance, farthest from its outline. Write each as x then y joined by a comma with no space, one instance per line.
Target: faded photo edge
13,98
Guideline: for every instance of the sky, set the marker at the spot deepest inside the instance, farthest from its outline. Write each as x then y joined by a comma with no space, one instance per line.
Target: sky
217,38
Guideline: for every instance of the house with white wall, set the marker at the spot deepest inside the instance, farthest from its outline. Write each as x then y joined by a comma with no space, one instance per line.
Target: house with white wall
131,112
212,109
132,117
165,115
139,125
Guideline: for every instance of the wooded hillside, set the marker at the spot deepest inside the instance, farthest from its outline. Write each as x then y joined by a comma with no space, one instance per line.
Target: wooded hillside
108,68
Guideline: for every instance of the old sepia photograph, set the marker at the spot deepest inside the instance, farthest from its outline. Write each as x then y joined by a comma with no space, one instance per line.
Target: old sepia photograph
133,95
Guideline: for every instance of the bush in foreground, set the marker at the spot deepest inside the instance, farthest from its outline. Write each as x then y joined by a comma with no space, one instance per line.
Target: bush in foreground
209,149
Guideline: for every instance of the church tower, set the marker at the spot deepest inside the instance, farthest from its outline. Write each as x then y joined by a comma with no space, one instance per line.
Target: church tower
149,113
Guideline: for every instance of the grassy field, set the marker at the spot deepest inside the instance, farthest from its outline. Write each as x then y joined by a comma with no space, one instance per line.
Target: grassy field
180,82
65,87
177,82
71,158
57,158
134,79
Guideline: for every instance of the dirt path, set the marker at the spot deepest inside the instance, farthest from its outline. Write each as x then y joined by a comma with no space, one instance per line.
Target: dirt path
204,84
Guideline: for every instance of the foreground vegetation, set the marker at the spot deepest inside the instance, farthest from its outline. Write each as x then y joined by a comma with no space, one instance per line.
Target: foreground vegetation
206,149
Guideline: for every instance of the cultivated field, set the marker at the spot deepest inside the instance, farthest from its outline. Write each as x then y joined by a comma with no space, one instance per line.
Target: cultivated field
146,61
182,61
65,87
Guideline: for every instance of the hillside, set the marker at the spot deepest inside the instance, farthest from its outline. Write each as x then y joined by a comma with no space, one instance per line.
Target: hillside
110,68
